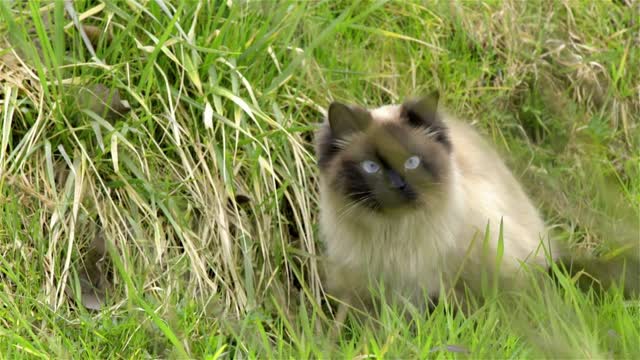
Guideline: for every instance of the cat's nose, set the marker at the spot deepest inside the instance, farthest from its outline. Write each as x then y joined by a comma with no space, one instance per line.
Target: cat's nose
396,181
401,185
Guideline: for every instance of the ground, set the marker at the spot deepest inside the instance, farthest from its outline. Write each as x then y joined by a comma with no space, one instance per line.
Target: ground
181,222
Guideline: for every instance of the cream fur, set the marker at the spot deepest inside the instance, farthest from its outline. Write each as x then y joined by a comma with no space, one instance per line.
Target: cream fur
420,252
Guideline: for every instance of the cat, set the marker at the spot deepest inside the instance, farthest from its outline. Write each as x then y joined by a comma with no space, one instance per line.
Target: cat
406,195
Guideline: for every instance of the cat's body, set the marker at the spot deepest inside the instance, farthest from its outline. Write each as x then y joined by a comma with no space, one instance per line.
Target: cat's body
415,235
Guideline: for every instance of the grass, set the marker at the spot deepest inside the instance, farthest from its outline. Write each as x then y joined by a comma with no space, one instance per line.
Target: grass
191,210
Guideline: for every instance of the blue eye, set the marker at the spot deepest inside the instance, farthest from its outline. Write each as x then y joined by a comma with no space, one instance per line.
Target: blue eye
412,163
370,166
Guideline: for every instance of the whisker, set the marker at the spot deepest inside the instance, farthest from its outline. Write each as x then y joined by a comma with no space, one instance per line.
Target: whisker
350,207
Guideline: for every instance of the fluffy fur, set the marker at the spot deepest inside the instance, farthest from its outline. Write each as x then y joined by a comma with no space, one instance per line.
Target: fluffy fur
413,230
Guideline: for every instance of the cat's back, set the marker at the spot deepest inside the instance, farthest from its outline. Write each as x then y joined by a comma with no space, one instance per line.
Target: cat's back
473,155
493,193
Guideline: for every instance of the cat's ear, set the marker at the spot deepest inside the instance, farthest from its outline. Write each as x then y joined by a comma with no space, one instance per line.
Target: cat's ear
347,119
423,112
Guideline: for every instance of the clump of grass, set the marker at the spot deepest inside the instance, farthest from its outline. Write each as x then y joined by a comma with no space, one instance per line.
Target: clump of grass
186,220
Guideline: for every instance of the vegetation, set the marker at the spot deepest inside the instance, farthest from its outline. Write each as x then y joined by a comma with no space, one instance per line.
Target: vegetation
158,187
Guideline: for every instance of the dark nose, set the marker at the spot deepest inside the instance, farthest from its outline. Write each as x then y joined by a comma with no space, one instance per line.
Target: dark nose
396,181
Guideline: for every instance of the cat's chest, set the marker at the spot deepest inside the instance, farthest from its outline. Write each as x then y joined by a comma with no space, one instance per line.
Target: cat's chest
407,255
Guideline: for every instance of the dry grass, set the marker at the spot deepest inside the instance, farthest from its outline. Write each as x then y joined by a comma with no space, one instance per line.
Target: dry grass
196,201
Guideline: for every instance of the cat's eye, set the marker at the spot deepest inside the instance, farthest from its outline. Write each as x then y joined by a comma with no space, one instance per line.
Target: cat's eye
370,167
412,163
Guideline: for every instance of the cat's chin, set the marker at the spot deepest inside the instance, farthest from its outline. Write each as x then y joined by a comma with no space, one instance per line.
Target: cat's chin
397,210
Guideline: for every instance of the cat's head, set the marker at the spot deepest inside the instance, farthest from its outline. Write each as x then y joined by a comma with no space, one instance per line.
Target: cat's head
387,159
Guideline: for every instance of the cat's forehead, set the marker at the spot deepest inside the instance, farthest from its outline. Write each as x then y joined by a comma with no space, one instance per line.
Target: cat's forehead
384,137
387,113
